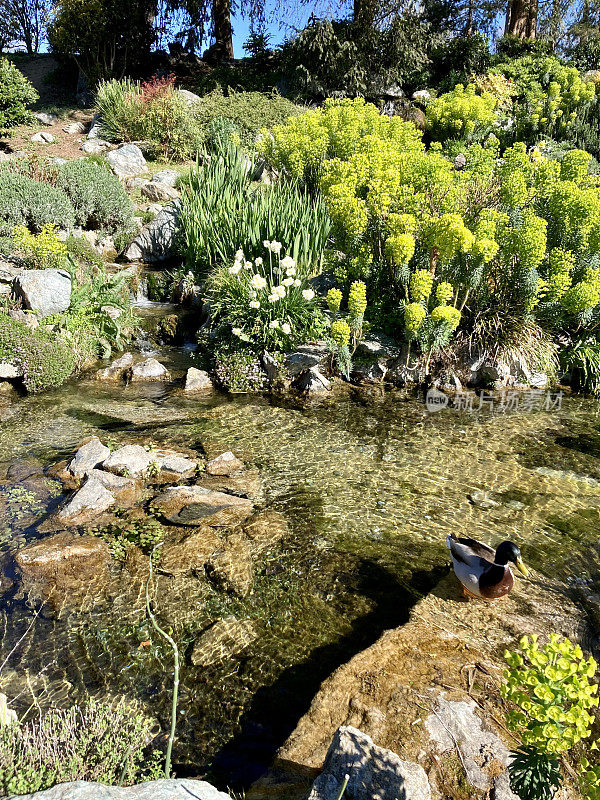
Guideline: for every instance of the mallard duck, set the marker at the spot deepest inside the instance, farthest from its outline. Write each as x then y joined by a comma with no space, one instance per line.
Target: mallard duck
482,571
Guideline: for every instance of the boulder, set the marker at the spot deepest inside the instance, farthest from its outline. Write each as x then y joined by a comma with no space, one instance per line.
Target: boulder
166,177
197,380
88,503
189,97
156,241
149,370
369,373
191,552
305,357
88,457
130,461
378,345
174,466
95,127
226,464
230,567
312,382
43,137
195,505
93,147
45,119
159,192
44,291
63,555
126,491
460,162
74,128
374,772
117,369
127,161
9,372
181,789
226,638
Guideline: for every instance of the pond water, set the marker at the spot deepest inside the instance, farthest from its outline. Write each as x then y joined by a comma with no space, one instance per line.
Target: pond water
370,485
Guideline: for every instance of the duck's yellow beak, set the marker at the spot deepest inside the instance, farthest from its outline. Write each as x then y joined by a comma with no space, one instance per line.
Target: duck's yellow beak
521,567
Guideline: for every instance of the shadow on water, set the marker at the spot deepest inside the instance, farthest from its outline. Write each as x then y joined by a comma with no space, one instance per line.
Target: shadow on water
276,709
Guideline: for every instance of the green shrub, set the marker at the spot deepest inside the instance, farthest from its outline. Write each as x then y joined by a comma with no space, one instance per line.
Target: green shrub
43,250
239,369
24,201
99,199
221,210
461,113
249,111
93,742
221,133
16,95
45,359
153,112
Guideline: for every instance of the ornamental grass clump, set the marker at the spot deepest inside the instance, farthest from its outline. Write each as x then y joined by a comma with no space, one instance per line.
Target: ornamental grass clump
552,697
264,303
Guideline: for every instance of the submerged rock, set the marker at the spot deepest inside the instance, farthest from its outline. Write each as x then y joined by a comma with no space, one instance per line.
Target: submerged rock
230,567
264,530
117,369
226,464
195,505
44,291
90,501
182,789
149,370
224,639
247,484
375,773
88,457
197,380
191,552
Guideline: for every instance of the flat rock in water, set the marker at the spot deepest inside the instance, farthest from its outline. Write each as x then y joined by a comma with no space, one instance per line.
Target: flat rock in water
90,501
225,464
246,484
44,291
174,466
197,380
190,553
481,500
226,638
117,369
184,789
131,461
61,555
374,771
149,370
126,161
230,567
88,457
125,490
195,505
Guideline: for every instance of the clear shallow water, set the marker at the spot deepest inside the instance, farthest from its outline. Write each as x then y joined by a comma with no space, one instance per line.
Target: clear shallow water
370,485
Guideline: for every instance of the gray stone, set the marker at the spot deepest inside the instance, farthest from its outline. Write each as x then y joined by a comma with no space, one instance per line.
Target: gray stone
178,465
44,291
28,318
136,183
132,461
74,128
156,241
127,161
225,464
374,772
460,162
305,357
455,724
43,137
125,490
312,382
166,177
538,380
378,345
63,556
158,192
90,501
9,372
197,380
149,370
45,119
195,505
88,457
93,147
184,789
226,638
189,97
95,127
481,500
393,90
369,373
117,369
57,161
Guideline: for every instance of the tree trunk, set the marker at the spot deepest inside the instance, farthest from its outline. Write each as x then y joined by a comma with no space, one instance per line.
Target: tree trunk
223,47
521,18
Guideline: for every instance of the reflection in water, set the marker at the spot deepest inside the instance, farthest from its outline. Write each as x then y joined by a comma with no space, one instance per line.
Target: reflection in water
370,486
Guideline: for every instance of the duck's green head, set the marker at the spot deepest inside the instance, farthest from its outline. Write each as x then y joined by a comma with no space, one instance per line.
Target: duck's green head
508,551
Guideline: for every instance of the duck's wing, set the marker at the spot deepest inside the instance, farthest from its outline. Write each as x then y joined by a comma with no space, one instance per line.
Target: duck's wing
470,552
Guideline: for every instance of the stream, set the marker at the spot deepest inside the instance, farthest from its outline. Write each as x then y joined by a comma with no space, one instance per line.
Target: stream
370,485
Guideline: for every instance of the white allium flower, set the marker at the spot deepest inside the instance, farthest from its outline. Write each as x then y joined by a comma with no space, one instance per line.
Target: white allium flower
235,268
252,294
308,294
267,244
280,291
276,247
258,282
288,262
274,323
297,282
248,265
273,298
258,261
239,256
290,270
286,329
254,304
236,331
288,282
